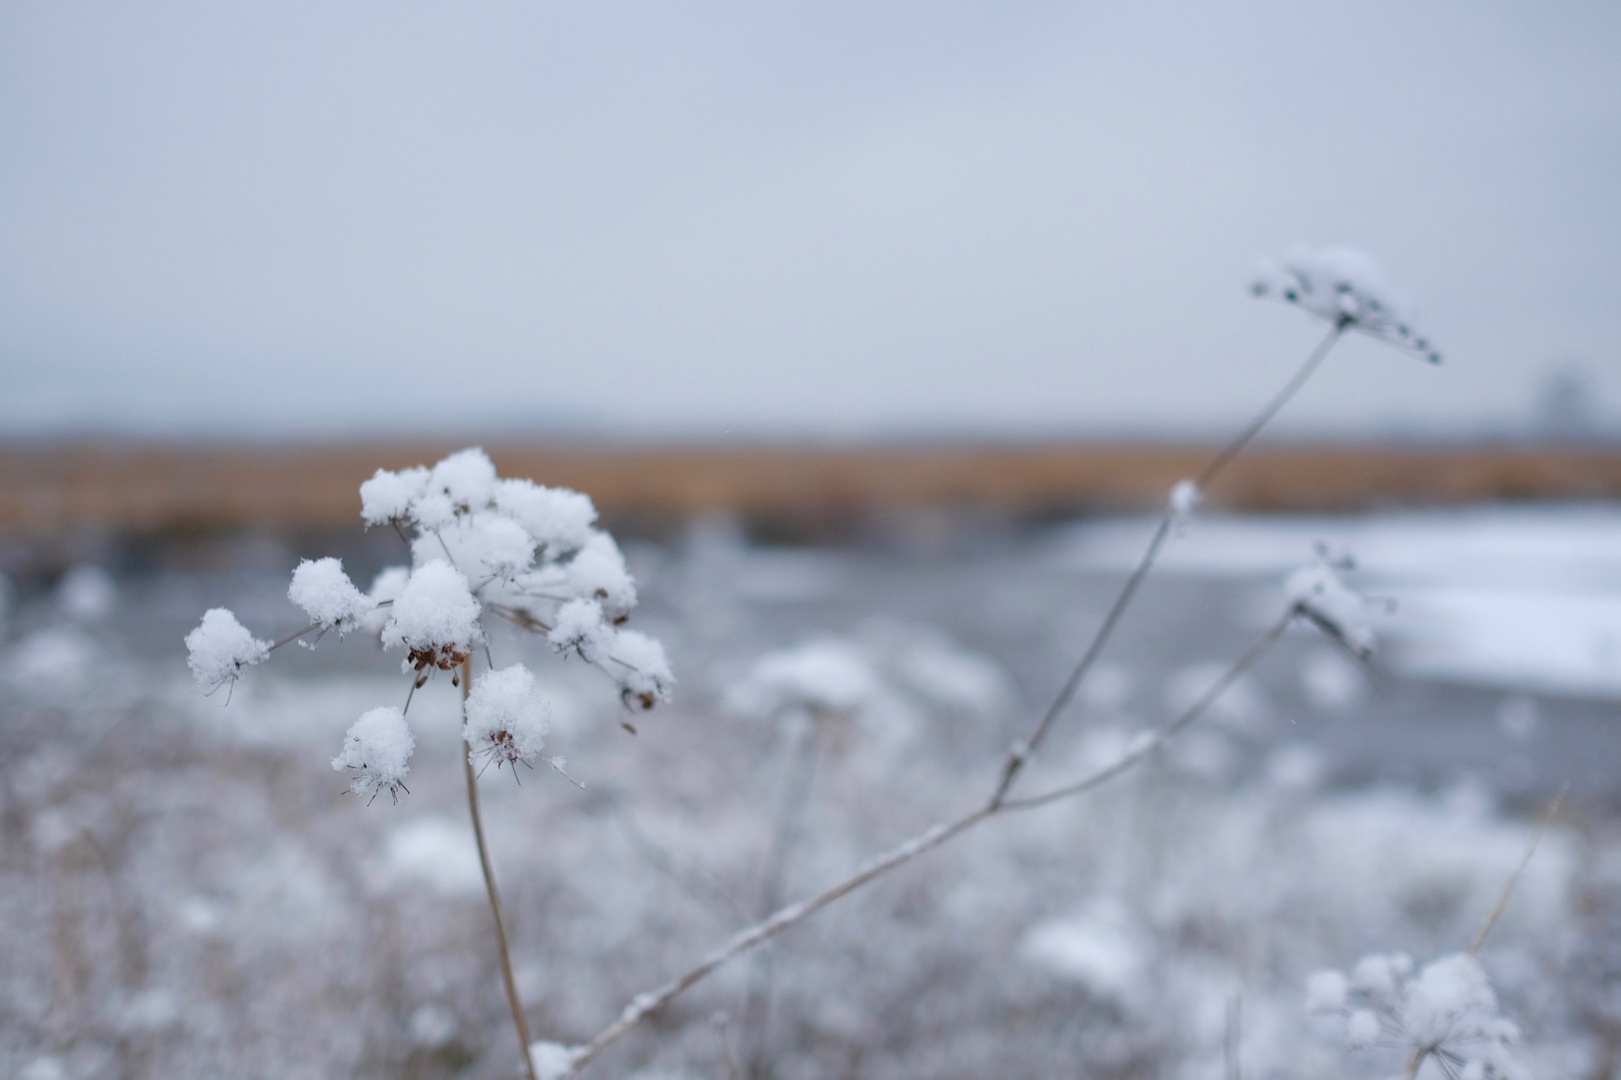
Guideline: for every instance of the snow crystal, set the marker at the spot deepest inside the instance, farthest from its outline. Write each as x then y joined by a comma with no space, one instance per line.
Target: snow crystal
387,496
506,719
1318,590
560,520
435,616
1184,497
377,748
327,595
639,664
1344,286
579,628
466,477
434,511
220,647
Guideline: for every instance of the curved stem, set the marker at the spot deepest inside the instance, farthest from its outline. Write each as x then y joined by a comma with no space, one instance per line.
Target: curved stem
489,884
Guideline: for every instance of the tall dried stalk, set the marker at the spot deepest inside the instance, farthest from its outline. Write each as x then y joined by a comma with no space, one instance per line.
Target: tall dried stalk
511,984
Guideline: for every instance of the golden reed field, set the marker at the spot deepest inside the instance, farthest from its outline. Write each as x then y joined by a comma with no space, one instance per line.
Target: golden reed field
140,486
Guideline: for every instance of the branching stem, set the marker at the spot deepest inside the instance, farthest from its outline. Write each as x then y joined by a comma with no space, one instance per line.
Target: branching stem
1022,751
644,1005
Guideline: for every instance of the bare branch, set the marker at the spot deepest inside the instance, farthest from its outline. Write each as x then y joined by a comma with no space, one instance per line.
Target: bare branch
1514,878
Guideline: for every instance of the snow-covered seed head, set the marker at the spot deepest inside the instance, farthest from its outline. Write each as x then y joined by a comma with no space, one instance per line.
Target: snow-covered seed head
220,647
1320,595
581,628
637,662
435,618
386,498
377,753
507,720
327,595
1346,287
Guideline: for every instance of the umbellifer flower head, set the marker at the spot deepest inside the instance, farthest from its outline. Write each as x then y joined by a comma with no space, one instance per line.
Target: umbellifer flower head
1346,287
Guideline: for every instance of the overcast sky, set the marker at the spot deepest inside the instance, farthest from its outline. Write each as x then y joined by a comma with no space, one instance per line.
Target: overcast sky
840,218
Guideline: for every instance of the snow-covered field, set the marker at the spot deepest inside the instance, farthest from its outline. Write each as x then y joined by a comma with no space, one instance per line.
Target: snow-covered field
188,889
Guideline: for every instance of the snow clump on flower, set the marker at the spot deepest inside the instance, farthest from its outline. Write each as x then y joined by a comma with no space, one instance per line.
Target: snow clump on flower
581,630
639,664
479,546
1448,1012
377,749
1346,287
1319,593
327,595
435,617
220,647
507,720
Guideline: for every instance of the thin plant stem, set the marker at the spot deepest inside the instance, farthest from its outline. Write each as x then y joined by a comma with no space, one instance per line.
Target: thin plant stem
1023,750
1514,878
511,984
645,1004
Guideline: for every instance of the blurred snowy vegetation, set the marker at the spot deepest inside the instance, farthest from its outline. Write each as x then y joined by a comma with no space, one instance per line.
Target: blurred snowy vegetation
190,891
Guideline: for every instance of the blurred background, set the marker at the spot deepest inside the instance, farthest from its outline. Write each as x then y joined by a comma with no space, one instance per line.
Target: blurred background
874,330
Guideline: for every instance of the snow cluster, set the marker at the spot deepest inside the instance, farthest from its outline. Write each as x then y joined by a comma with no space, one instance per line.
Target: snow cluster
1345,286
1447,1012
221,647
1318,592
377,750
480,545
327,595
507,720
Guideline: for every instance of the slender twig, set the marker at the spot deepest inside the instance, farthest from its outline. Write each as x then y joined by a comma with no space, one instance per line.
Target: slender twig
1022,751
518,1020
290,638
1514,878
645,1004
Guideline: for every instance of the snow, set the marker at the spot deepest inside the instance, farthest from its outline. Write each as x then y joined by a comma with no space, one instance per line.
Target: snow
641,668
552,1061
598,572
434,613
467,478
1184,497
434,851
558,519
1510,597
377,751
827,676
220,647
327,595
484,546
385,589
1344,285
507,720
1318,588
579,628
387,497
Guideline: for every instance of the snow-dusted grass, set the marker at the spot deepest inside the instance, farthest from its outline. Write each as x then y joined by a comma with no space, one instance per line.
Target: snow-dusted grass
192,892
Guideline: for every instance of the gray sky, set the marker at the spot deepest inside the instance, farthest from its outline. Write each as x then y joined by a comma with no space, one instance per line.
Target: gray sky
840,218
